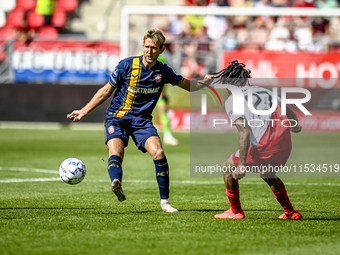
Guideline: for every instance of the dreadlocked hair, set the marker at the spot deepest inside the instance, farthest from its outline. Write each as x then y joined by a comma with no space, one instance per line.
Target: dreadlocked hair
235,74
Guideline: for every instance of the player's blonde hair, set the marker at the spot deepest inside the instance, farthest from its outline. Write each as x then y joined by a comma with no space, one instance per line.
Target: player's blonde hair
156,36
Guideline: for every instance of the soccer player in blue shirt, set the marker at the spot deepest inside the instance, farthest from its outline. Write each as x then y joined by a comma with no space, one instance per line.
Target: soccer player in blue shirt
136,85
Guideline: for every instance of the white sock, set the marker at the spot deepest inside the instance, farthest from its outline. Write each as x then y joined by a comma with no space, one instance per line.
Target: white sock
164,201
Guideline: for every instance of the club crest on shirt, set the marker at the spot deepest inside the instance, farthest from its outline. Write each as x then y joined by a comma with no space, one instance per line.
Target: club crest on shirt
158,77
111,130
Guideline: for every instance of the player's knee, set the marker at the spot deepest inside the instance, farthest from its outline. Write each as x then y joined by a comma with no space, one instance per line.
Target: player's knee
157,154
227,175
118,152
116,147
227,169
267,177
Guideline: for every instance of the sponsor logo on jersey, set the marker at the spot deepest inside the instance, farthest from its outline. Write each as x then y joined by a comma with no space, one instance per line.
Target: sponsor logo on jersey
111,130
143,90
158,77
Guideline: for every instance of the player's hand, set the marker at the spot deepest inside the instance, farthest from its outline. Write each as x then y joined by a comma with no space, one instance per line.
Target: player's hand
239,172
76,115
208,79
296,129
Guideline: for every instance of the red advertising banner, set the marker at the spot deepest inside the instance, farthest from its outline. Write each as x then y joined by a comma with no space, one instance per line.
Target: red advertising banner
309,70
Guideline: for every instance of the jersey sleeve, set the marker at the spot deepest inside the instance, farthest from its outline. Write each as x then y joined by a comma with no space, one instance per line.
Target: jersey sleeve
172,77
117,75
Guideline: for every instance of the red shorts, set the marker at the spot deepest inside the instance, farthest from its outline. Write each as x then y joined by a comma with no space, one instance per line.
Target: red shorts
256,162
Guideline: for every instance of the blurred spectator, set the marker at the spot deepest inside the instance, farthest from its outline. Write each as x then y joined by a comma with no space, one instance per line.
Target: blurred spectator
176,24
196,23
334,30
281,3
24,36
222,3
216,26
197,2
46,8
258,35
192,69
320,29
282,37
304,37
304,3
230,40
263,4
320,26
266,21
218,3
240,3
326,4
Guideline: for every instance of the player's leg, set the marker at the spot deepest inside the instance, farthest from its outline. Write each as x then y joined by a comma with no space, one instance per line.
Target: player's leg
115,170
232,191
162,108
154,147
278,188
116,155
116,140
280,193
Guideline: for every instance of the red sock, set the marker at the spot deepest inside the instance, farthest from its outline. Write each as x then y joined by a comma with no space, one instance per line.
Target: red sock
284,201
234,199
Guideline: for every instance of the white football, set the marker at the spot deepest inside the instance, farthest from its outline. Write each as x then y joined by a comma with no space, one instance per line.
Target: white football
72,171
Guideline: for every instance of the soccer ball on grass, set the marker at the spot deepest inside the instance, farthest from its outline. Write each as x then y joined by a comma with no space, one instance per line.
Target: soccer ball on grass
72,171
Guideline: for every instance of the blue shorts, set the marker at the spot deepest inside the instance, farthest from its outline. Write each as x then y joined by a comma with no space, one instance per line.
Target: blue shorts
138,128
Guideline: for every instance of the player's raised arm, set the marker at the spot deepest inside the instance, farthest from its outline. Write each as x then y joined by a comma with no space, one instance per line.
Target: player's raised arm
101,95
291,115
244,142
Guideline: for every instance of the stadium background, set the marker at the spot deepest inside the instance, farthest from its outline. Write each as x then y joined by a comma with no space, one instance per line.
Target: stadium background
47,70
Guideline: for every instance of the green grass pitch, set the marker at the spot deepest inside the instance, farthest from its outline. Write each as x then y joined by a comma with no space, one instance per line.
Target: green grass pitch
39,214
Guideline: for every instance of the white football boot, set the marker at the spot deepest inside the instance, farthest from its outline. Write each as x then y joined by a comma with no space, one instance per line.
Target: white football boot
168,139
118,190
166,207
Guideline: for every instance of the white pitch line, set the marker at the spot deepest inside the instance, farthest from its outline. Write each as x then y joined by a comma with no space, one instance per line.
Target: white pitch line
23,169
14,180
30,125
29,180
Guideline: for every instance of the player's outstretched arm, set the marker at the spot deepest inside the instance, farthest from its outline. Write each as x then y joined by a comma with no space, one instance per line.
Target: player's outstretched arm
196,84
101,95
291,115
244,142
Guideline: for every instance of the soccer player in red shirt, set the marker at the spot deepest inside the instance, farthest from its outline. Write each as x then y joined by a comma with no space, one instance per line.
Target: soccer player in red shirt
270,143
